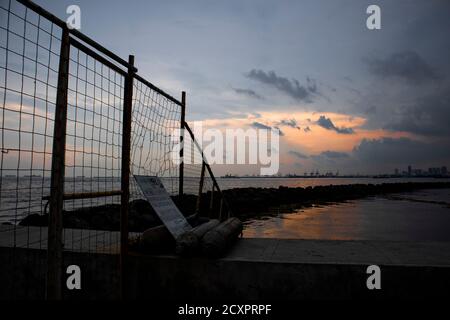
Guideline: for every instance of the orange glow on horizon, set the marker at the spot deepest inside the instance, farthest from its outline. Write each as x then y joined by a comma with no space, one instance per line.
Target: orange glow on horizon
318,139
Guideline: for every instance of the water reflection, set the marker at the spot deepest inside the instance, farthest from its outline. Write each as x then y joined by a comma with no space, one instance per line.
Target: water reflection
402,219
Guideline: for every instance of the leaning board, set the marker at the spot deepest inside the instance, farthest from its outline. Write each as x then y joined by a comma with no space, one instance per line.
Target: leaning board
165,208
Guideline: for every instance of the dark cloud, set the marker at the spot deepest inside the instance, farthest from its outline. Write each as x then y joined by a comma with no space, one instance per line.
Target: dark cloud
248,92
326,123
260,125
298,154
334,154
329,157
281,133
370,110
406,65
304,93
400,151
429,116
325,157
289,123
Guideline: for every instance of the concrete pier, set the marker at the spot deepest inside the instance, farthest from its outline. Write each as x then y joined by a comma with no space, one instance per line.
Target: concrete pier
299,269
253,269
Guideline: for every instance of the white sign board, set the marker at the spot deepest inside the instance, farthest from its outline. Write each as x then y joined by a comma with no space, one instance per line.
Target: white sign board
165,208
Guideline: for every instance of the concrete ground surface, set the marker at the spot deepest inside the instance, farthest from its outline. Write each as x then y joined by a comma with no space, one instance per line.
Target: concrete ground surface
252,269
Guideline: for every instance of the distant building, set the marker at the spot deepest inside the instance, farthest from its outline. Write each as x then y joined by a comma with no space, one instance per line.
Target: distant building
434,171
409,170
444,171
396,171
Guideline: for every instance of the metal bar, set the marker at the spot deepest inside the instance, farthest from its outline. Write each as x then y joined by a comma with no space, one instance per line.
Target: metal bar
96,56
208,168
55,227
182,123
41,11
200,189
125,181
155,88
211,201
186,126
87,195
220,209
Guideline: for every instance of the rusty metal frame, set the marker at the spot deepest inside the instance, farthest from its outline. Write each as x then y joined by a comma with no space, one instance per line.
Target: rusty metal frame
223,201
200,188
182,125
125,179
87,195
63,25
55,225
57,197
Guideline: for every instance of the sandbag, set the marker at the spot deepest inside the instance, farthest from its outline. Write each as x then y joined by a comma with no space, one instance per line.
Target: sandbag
216,241
189,242
159,238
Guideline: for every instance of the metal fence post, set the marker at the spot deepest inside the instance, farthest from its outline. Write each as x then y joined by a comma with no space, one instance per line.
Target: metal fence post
125,179
221,208
55,225
200,188
211,201
183,115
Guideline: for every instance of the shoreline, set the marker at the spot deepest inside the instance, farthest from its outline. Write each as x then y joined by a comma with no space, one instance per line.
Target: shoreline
378,176
245,203
252,202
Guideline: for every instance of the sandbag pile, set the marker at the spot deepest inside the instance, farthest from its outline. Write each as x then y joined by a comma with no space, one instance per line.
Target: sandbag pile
211,239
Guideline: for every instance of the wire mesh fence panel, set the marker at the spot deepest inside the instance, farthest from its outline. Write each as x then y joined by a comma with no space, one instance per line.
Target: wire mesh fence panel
94,129
193,161
155,137
29,57
200,186
93,154
29,53
31,45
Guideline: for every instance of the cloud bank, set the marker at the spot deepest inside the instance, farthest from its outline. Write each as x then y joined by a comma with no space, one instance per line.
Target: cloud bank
304,93
326,123
407,65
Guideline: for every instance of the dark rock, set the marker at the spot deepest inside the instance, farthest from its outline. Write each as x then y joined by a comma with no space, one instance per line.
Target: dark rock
140,207
35,219
244,203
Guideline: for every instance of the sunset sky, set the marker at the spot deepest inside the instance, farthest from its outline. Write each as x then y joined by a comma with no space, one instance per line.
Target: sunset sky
346,98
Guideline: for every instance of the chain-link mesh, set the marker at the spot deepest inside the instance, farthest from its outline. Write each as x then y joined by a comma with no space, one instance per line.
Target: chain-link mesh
200,187
30,46
29,58
154,137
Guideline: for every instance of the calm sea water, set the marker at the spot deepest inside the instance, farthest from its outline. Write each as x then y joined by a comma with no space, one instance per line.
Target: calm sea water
415,216
227,183
374,218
